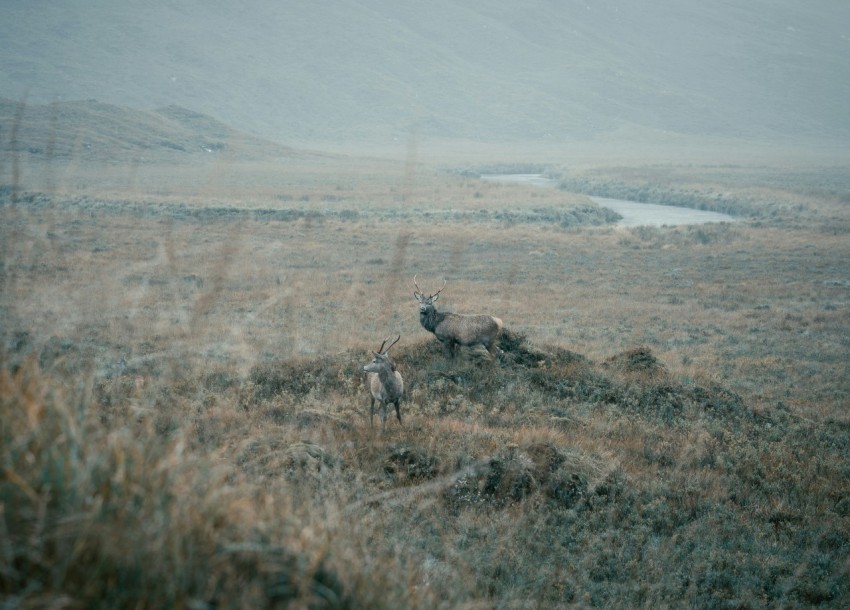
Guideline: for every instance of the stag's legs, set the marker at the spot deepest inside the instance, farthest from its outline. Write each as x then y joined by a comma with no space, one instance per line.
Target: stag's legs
382,413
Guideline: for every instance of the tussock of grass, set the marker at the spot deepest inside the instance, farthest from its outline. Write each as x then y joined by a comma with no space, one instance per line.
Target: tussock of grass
101,516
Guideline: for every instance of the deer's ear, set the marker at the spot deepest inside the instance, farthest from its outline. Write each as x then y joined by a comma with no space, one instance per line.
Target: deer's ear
417,296
435,297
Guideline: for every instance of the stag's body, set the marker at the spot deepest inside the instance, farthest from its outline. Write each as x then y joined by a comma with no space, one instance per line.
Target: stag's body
454,329
384,383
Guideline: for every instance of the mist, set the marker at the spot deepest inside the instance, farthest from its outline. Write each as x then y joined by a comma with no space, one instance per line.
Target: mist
375,73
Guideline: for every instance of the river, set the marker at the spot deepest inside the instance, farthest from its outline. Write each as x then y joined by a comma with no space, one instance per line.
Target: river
634,213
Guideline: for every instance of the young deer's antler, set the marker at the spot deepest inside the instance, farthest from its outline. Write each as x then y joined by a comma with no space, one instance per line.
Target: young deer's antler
384,351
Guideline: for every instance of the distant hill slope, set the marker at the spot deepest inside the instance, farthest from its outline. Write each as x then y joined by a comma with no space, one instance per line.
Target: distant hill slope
492,70
91,130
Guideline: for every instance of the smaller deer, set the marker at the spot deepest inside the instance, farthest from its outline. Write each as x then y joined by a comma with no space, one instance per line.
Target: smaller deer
454,329
384,383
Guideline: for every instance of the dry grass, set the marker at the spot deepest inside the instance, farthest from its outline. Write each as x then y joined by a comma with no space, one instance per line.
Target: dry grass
184,423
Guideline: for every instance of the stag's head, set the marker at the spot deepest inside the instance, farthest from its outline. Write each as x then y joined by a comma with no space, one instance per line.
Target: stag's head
426,302
381,360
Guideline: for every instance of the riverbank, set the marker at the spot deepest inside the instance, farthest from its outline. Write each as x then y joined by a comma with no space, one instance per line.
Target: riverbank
632,213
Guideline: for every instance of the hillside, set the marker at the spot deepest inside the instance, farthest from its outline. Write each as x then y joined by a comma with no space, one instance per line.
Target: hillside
95,131
377,71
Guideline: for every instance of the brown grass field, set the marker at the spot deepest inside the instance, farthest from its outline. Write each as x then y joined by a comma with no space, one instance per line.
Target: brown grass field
184,423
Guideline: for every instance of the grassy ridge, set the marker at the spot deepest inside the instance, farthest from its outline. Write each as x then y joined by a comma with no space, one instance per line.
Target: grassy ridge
503,484
93,131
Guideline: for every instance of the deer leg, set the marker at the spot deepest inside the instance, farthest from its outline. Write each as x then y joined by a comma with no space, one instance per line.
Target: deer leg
371,413
398,410
383,413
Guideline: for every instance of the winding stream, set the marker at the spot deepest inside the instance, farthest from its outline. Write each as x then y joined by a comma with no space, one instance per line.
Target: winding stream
634,213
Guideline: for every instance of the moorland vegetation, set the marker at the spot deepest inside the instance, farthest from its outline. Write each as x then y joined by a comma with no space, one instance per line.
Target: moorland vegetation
184,421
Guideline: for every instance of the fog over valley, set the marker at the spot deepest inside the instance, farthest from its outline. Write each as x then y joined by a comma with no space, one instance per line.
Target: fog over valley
374,72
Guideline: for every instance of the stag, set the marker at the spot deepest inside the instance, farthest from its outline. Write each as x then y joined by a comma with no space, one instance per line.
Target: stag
384,383
454,329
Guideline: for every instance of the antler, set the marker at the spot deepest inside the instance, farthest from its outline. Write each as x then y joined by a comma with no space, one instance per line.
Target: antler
381,350
390,345
434,296
419,290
